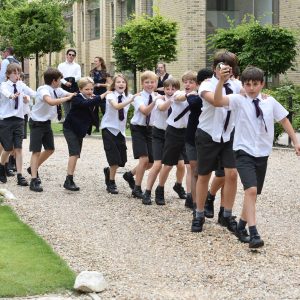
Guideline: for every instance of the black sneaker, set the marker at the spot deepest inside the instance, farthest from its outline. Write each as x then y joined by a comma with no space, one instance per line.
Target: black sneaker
197,224
70,185
37,174
229,222
159,195
242,235
189,201
106,175
178,188
8,171
112,187
220,214
12,163
21,180
130,179
209,206
137,192
35,185
3,177
256,242
147,198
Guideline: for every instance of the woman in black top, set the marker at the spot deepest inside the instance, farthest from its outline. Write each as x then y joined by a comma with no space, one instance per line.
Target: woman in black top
162,76
102,80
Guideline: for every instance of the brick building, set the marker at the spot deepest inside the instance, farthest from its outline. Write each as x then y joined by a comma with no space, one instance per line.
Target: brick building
92,24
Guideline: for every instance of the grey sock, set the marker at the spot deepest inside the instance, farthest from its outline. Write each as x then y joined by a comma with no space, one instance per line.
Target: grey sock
227,213
199,214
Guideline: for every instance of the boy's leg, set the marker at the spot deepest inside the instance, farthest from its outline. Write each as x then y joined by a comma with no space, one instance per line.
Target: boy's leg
35,183
44,155
140,170
19,162
191,201
180,172
111,183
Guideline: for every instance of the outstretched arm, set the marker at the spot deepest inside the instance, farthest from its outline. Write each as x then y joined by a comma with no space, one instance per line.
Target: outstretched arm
290,131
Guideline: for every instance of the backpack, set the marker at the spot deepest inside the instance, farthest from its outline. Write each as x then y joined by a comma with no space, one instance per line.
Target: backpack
13,60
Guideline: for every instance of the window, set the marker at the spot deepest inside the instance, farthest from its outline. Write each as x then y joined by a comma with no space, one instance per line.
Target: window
130,7
93,13
68,16
112,7
149,7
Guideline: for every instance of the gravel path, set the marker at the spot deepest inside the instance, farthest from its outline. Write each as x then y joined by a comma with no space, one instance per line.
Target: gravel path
148,252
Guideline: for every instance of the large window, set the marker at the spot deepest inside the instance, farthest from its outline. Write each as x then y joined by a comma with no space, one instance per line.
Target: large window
94,19
68,16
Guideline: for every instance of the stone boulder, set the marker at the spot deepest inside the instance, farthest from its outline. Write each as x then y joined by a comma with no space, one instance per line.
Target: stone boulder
90,281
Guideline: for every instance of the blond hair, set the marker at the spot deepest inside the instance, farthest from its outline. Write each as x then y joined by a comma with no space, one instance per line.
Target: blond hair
148,75
189,75
82,82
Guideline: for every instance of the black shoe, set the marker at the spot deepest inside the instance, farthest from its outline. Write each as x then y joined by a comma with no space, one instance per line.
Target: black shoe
229,222
137,192
220,214
130,179
256,242
3,177
209,206
178,188
242,235
12,163
70,184
189,201
106,175
111,187
147,198
37,174
8,171
35,185
159,195
197,224
21,180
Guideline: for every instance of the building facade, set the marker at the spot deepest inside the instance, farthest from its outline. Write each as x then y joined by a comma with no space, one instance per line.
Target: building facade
92,24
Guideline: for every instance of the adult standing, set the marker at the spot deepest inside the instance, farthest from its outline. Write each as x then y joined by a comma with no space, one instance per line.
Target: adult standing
102,81
71,74
162,74
8,57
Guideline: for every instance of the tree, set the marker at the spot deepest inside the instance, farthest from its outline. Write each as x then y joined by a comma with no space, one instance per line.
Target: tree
143,41
37,27
269,47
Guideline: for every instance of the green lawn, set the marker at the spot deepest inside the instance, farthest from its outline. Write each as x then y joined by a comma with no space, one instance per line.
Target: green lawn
28,266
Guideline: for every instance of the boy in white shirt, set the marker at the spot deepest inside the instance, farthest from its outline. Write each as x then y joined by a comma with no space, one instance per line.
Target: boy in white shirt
253,140
12,120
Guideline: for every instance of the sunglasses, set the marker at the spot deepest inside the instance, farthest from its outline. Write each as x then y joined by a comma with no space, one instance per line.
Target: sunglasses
72,54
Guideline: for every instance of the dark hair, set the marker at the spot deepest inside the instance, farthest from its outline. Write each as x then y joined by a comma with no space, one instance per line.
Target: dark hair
12,68
236,71
52,74
204,74
102,62
73,50
172,82
252,73
10,50
226,57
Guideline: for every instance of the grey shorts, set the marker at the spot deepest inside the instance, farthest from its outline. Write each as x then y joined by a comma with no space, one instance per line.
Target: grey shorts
11,133
41,134
74,142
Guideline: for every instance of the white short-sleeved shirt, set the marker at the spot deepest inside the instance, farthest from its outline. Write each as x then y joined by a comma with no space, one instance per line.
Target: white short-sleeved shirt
250,132
138,117
177,108
159,117
110,119
7,105
41,110
212,118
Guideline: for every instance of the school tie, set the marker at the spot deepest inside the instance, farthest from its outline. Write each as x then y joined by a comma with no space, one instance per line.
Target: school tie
169,111
58,107
149,116
228,91
259,112
121,111
182,113
16,99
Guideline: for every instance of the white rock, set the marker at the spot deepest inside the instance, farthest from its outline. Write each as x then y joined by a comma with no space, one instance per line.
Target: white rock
90,281
7,194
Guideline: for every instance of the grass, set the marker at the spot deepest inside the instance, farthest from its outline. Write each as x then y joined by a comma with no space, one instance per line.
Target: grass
28,266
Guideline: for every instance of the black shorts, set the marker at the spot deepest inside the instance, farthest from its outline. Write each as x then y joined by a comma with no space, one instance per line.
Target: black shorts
115,148
158,142
212,155
252,170
142,141
41,134
25,126
174,149
11,133
74,142
191,152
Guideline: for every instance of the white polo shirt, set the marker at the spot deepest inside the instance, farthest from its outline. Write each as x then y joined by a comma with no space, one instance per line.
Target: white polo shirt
7,105
41,110
138,117
159,117
69,70
111,119
212,119
250,132
177,108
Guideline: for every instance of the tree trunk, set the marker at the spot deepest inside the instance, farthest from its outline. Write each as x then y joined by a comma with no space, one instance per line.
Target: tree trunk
134,81
36,70
50,58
